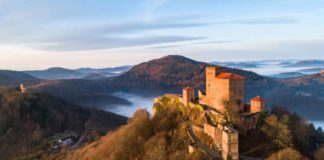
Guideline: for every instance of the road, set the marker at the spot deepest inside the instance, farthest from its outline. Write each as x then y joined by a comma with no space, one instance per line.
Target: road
78,143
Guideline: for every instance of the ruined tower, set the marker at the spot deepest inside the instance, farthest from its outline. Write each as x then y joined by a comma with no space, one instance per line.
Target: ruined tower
188,95
222,86
257,104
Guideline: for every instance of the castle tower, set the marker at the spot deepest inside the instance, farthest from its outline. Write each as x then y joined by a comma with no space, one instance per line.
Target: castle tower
257,104
211,73
22,88
230,146
322,72
188,95
222,87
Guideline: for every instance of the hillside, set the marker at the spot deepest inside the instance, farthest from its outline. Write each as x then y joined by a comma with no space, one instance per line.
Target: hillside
28,122
305,80
162,137
165,136
176,71
88,93
55,73
95,76
307,63
105,71
171,73
15,77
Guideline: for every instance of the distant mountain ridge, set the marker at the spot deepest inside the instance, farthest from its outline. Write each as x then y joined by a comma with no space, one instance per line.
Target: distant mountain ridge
237,64
15,77
56,73
306,63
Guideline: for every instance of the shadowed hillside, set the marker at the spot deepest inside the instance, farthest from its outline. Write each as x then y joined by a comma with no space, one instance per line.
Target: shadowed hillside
29,120
55,73
8,77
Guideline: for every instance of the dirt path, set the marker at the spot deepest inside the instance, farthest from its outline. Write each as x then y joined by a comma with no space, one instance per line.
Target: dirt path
212,153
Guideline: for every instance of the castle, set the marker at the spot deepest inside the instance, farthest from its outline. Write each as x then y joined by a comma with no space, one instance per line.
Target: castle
224,87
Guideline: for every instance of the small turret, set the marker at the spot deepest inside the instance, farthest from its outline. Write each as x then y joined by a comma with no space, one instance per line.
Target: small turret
257,104
22,88
322,72
188,95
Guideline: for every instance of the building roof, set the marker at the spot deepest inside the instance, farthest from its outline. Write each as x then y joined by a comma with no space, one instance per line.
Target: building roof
258,98
229,76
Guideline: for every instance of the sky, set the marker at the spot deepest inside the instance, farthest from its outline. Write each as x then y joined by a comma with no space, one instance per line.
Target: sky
38,34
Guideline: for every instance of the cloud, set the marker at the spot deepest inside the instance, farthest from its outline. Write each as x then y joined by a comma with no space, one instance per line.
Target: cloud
145,26
99,36
93,43
192,43
151,7
267,20
214,42
165,46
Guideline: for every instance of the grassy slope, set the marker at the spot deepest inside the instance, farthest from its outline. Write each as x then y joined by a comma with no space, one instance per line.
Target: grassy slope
162,137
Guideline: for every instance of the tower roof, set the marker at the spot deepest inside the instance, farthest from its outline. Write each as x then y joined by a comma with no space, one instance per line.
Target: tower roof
229,76
258,98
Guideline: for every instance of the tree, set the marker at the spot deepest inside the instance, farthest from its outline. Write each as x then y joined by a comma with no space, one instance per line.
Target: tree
286,154
278,132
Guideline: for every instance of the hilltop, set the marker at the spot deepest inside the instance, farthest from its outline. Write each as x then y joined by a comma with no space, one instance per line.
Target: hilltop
55,73
29,121
8,77
167,136
175,71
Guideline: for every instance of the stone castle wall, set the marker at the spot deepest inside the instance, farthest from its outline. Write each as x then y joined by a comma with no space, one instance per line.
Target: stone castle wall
225,139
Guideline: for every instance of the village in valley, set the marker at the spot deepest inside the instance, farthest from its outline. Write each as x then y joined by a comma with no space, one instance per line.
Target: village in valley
223,113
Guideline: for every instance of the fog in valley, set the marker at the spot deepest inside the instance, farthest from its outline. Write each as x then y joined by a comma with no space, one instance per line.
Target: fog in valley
138,102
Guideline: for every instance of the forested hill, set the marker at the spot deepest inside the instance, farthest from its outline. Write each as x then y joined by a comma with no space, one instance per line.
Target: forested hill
29,120
15,77
176,71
